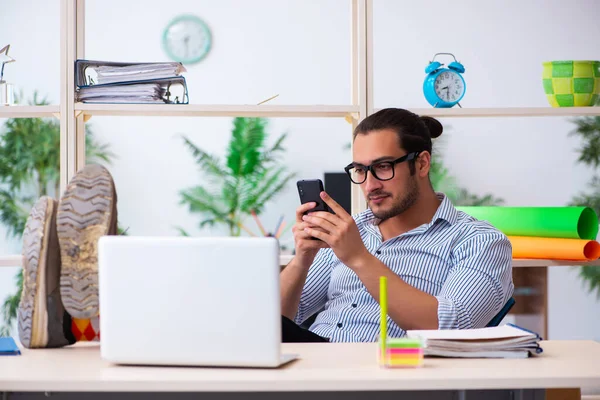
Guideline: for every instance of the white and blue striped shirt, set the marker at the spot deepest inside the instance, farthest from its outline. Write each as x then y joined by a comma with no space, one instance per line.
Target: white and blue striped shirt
465,263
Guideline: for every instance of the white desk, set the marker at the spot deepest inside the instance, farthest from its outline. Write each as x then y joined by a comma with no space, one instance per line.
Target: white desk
323,367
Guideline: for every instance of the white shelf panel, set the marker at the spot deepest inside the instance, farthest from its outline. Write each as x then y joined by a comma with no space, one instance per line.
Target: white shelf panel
214,110
15,261
28,111
552,263
507,112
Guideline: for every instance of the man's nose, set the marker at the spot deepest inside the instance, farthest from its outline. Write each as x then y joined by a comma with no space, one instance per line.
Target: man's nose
372,183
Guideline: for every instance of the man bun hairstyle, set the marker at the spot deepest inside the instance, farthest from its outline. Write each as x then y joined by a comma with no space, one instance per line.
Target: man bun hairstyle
434,126
414,132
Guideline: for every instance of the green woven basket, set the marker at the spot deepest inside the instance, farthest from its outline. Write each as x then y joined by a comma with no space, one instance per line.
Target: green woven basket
572,83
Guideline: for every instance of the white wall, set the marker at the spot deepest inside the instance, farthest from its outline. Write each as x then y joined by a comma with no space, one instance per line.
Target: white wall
301,51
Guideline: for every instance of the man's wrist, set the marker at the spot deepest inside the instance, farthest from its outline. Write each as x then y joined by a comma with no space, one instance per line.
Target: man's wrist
302,262
361,261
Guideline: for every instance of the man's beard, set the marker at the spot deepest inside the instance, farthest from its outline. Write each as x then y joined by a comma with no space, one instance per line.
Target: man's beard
409,198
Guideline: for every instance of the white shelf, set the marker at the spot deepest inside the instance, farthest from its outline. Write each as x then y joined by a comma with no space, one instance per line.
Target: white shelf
507,112
15,261
214,110
28,111
553,263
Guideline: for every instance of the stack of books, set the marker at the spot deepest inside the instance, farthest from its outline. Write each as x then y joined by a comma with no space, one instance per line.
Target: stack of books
506,341
120,82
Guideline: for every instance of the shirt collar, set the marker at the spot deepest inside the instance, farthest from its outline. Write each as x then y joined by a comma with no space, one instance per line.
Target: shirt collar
445,211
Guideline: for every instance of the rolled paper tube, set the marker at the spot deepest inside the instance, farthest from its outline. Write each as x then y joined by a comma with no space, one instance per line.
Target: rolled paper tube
554,249
554,222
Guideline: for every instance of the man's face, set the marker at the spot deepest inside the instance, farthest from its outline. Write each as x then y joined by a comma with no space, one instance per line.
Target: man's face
389,198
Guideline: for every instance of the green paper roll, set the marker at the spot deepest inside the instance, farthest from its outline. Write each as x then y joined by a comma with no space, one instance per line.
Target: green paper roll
555,222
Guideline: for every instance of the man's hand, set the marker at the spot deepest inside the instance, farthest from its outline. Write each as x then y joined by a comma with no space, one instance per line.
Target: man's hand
338,231
306,246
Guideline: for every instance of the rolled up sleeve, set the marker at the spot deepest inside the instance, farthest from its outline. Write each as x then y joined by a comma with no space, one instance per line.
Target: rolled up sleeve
479,284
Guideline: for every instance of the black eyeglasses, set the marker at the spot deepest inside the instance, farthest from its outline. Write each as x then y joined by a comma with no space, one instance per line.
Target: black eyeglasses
382,170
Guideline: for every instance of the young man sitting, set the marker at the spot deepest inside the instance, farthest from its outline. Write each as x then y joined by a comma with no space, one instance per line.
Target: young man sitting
445,269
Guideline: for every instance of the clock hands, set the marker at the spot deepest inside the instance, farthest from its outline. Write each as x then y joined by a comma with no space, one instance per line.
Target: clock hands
186,40
447,92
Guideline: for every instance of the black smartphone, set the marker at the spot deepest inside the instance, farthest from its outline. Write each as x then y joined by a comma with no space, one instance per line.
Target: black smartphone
309,191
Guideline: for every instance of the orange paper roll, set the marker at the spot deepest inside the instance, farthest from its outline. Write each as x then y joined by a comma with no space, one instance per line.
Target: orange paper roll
554,248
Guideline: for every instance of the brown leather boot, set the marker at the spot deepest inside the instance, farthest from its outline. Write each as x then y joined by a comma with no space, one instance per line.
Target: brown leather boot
87,211
42,321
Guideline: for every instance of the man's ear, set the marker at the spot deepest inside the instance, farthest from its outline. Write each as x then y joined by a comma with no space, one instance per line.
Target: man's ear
423,164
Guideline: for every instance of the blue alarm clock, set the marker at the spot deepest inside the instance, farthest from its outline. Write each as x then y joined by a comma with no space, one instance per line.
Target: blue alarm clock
444,87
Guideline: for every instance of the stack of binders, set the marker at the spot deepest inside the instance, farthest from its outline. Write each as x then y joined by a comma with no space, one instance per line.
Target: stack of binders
120,82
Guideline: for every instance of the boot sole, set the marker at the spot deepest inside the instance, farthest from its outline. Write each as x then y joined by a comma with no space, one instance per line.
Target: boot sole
87,211
33,313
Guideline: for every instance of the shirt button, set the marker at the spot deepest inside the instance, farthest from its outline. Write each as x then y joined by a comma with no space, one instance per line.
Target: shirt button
354,305
378,252
339,325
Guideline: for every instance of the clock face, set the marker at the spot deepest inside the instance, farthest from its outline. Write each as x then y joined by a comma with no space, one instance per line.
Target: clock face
449,86
187,39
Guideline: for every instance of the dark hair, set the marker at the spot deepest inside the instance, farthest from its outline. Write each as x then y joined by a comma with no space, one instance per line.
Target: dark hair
414,132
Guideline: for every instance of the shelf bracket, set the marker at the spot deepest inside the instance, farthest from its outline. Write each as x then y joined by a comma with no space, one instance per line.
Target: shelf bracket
86,117
351,118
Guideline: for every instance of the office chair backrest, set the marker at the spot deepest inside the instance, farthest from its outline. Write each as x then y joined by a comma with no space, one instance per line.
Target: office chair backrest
502,313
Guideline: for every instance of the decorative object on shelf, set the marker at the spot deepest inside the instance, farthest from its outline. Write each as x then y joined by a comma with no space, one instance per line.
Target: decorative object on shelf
588,131
7,94
251,175
444,87
554,233
551,222
572,83
187,39
554,248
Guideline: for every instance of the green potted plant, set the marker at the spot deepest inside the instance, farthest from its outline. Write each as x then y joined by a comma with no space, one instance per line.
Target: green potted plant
588,128
30,168
249,177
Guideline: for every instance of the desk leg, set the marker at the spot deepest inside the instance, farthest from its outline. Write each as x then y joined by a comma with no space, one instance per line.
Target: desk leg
563,394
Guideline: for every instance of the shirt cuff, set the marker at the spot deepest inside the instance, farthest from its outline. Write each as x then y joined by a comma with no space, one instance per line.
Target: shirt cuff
452,315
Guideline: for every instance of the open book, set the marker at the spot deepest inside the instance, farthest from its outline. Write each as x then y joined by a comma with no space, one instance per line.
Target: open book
506,341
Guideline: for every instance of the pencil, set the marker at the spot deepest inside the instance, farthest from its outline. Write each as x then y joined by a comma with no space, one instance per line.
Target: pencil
269,99
246,229
262,229
276,231
383,322
285,228
280,230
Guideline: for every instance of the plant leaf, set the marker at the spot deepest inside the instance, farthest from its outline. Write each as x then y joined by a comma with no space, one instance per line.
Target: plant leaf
207,163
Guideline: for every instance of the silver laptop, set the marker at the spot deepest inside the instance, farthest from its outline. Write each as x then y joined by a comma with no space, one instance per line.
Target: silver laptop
202,301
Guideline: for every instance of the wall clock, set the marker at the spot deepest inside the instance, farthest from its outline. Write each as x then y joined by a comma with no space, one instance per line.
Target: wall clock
187,39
